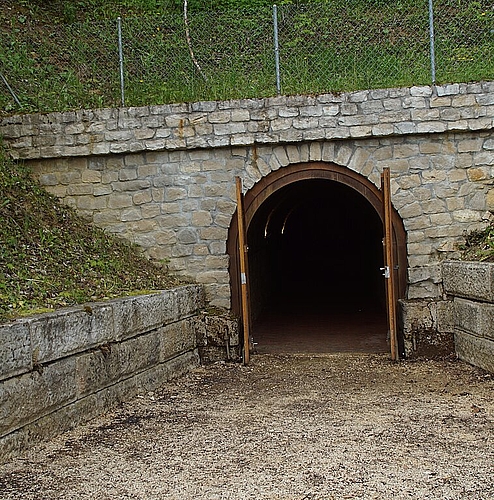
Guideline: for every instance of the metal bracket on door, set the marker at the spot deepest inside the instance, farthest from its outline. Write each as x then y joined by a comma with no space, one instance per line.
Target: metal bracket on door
386,272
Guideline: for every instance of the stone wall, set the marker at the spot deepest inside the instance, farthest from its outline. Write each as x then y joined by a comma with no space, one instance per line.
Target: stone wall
61,369
163,176
471,287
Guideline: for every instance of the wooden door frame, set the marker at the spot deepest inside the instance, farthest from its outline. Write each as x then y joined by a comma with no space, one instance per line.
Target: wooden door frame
290,174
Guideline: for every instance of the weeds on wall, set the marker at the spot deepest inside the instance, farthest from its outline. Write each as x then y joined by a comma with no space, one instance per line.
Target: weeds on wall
479,245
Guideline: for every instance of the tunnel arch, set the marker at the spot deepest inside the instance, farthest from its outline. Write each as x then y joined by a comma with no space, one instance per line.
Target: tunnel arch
295,174
301,199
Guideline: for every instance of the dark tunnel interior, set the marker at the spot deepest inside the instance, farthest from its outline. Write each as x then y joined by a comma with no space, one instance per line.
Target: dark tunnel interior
315,245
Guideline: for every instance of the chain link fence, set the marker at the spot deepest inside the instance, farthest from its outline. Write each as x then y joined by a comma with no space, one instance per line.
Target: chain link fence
305,48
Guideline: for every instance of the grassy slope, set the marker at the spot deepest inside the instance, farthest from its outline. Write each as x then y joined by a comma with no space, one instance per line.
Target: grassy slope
338,46
50,257
15,15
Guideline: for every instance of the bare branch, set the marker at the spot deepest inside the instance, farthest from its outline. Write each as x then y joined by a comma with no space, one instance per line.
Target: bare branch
189,43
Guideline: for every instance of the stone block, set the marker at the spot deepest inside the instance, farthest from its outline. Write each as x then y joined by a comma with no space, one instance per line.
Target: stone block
229,128
445,316
424,290
136,315
101,190
467,215
15,349
424,273
24,399
213,233
80,189
212,276
218,337
382,129
474,350
187,235
68,331
412,210
219,117
119,200
431,127
179,253
176,338
127,174
240,115
422,335
473,280
414,102
452,89
116,362
118,135
48,180
489,200
189,300
174,220
156,376
421,91
361,131
93,176
476,318
130,215
175,193
139,314
91,203
469,145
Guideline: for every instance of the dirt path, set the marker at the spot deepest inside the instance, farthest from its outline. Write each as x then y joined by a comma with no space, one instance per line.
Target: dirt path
287,427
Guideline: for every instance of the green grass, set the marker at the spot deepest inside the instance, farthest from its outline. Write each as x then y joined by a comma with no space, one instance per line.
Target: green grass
337,45
51,258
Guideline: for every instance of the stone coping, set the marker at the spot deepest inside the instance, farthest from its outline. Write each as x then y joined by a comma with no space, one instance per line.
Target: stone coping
467,279
243,122
28,343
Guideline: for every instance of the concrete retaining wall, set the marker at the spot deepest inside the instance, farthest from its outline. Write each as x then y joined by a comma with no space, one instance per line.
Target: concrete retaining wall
61,369
471,285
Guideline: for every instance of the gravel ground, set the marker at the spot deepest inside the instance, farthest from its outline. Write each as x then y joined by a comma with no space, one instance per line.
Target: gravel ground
286,427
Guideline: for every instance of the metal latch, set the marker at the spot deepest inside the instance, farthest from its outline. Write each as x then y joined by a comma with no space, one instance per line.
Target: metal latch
386,272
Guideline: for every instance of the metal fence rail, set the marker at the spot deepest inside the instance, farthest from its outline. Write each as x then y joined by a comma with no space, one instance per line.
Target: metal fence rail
310,48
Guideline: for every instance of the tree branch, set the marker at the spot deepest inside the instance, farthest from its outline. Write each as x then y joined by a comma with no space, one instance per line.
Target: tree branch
189,43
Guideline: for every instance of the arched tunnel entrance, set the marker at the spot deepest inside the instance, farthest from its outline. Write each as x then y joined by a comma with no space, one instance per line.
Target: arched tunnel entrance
315,253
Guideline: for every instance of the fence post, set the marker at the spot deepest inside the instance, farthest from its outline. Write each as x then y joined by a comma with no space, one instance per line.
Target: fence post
431,39
276,49
121,61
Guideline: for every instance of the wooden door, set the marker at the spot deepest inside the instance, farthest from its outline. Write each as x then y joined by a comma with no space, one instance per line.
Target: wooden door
244,289
389,264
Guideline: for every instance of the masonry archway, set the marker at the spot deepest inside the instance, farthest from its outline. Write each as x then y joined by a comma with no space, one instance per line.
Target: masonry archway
315,248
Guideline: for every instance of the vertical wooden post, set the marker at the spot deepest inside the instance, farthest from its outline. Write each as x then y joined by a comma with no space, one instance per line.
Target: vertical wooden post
243,271
389,266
